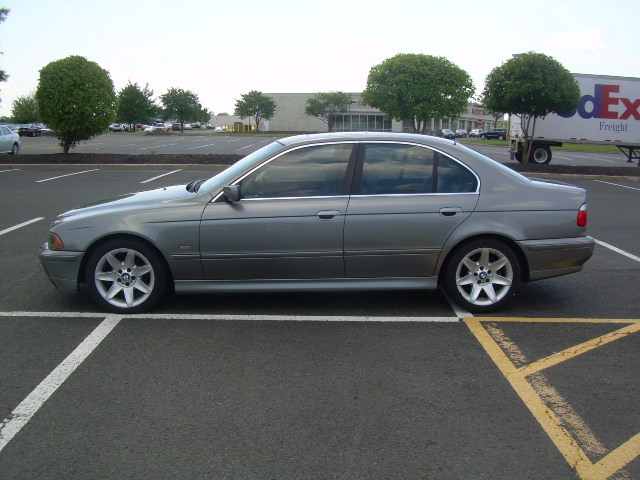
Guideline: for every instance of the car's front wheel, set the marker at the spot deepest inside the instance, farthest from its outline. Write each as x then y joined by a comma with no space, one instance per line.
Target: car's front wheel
482,275
483,137
15,149
126,276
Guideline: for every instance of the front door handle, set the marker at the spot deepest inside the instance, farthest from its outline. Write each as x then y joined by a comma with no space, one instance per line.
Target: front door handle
450,211
328,214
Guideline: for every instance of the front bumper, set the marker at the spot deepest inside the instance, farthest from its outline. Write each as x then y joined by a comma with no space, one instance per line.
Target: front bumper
62,267
559,256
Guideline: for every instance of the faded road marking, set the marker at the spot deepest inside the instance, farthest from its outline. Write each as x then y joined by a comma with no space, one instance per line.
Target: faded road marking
617,250
67,175
20,225
546,404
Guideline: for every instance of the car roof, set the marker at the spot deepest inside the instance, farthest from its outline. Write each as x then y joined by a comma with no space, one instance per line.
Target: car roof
363,136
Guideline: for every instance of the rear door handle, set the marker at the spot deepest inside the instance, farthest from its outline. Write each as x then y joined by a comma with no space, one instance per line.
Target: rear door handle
328,214
450,211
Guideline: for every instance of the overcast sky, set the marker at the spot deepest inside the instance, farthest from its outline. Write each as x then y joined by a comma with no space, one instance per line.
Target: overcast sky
222,49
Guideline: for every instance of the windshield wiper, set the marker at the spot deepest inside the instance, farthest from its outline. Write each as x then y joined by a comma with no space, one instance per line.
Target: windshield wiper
195,185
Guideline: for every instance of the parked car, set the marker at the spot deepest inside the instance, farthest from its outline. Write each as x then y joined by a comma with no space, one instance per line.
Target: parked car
446,133
351,211
495,134
29,130
117,127
461,133
475,132
9,140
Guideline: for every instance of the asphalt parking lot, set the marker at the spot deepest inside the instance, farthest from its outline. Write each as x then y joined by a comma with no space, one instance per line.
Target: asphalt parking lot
344,385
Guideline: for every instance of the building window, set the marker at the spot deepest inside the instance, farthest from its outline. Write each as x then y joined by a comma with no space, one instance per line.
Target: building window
358,123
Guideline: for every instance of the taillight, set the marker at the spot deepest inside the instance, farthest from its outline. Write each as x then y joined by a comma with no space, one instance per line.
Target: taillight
582,216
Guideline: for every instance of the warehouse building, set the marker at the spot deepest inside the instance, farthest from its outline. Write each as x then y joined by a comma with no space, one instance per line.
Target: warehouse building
290,117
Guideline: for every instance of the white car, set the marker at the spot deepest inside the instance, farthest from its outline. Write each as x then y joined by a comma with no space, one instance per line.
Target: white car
9,141
475,132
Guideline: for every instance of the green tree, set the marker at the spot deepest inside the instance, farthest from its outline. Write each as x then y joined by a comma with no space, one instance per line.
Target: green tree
25,109
326,105
531,85
204,116
257,105
182,105
415,88
76,99
3,16
135,104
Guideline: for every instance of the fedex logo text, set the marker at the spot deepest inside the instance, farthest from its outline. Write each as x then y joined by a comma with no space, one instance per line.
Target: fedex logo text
603,102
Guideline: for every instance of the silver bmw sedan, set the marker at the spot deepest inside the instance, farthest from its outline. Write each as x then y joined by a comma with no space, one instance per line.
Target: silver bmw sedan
359,211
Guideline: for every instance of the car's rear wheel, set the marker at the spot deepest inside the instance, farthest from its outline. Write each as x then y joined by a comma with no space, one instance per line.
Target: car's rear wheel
126,276
483,137
482,275
500,137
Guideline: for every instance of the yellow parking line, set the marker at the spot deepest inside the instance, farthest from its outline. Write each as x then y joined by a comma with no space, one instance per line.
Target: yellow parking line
532,394
571,352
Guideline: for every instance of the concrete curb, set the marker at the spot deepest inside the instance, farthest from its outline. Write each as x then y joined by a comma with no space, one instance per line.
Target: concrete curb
112,166
575,176
213,166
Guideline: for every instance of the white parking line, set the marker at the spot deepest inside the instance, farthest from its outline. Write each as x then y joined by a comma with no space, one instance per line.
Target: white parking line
202,146
246,146
29,406
158,146
23,224
160,176
11,170
67,175
617,185
235,318
617,250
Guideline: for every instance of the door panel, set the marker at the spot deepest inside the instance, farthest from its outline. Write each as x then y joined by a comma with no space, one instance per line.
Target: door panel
273,239
400,236
288,222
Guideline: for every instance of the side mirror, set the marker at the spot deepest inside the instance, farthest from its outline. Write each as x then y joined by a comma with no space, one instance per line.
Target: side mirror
231,193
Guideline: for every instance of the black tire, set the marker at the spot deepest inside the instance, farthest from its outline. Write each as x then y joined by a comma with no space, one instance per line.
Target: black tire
481,275
15,149
126,276
483,137
518,155
540,154
500,137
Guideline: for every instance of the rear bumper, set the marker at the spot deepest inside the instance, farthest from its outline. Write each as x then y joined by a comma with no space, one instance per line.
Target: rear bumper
558,256
62,268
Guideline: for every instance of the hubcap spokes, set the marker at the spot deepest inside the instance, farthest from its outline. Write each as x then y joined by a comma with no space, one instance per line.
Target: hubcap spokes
484,276
124,278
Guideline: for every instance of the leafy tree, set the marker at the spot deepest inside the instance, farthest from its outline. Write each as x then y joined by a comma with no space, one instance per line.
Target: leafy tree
415,88
3,16
531,85
257,105
181,104
25,109
204,116
76,99
326,106
135,104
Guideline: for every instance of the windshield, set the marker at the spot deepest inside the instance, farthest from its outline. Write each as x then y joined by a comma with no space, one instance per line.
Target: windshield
234,170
